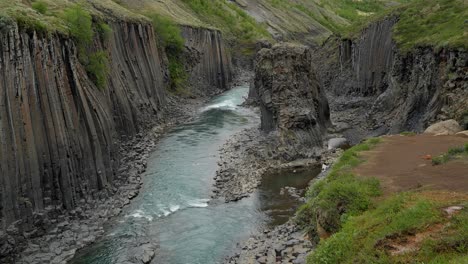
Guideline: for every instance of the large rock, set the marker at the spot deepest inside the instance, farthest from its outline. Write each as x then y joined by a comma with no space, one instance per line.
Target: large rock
335,143
448,127
290,97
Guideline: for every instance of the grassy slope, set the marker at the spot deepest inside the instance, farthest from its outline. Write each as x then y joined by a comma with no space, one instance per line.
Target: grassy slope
365,227
436,23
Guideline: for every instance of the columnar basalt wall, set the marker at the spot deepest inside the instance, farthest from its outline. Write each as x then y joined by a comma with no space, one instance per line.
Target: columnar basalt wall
57,128
213,68
391,90
60,134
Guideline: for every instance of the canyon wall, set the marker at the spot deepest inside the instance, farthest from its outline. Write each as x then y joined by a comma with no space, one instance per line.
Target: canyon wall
377,88
57,128
60,134
213,69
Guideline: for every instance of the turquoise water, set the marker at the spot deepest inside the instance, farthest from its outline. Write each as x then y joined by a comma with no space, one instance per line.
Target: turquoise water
174,208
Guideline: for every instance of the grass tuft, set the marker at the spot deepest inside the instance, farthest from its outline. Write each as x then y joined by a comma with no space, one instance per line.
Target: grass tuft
452,153
408,133
40,7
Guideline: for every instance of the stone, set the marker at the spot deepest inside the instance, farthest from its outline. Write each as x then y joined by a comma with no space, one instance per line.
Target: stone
335,143
448,127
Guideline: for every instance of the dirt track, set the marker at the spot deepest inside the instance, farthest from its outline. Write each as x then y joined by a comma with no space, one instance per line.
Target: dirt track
399,163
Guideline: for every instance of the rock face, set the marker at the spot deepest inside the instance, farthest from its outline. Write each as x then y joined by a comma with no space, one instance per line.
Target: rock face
377,88
290,96
57,127
214,68
60,134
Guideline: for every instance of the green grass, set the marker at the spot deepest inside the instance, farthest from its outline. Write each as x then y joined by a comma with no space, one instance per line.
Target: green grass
332,200
363,238
80,25
98,69
40,7
170,36
452,153
440,23
408,133
105,31
230,19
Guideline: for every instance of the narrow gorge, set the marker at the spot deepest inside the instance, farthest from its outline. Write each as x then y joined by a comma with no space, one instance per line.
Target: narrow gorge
197,131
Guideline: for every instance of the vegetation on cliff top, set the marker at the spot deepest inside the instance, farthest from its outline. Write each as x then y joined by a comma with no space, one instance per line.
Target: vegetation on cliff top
80,25
230,19
170,36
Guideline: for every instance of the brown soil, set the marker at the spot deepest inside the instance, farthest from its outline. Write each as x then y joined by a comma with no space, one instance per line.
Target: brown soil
403,163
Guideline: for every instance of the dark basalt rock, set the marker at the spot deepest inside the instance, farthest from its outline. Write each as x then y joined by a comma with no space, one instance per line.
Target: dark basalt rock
60,135
289,94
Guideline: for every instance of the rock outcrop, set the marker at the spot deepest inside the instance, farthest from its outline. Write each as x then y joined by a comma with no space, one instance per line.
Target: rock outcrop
290,96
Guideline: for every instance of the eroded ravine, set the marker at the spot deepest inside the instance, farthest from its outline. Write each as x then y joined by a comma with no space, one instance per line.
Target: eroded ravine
174,209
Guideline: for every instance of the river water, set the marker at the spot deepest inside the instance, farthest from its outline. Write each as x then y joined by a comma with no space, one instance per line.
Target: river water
174,207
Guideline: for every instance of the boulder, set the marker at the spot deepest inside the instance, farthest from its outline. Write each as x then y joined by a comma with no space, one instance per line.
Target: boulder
335,143
448,127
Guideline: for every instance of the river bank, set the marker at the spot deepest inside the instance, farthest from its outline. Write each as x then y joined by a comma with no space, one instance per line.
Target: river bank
285,243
